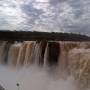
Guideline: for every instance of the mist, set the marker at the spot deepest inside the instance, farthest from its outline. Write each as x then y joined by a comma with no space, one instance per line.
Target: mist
33,78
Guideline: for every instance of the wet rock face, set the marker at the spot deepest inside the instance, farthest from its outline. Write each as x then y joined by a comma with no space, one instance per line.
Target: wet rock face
1,88
43,45
53,53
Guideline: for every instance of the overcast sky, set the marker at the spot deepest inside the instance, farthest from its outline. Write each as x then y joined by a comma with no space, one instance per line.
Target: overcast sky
46,15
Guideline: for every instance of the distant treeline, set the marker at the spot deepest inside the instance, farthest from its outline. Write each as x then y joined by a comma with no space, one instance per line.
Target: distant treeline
33,36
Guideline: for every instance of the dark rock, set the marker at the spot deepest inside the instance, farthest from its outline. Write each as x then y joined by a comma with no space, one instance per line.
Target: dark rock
1,88
53,53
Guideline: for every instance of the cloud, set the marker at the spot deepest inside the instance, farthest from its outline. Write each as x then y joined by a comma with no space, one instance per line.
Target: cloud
10,14
55,2
49,15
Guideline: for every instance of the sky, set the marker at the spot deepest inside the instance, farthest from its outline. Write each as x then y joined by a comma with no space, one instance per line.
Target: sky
46,15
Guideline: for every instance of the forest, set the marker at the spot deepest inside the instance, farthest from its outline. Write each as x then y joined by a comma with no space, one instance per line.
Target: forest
38,36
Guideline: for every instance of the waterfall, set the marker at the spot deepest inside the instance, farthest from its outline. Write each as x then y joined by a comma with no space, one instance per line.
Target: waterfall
42,53
43,45
4,48
28,53
72,58
65,48
20,53
13,54
79,65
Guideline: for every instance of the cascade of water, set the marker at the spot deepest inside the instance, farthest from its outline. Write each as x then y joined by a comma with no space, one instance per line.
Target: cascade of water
32,56
4,48
40,53
13,53
43,45
29,51
71,57
21,55
45,56
79,65
37,53
26,53
65,48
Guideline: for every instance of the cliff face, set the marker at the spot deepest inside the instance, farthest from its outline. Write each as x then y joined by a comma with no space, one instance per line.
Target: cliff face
33,36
